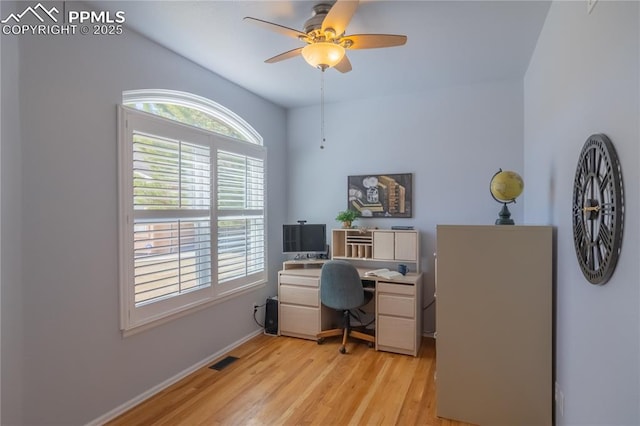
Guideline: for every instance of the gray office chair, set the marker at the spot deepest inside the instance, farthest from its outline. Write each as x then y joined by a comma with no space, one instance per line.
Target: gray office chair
341,289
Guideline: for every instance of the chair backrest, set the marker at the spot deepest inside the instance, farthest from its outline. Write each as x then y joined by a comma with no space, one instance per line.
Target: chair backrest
340,285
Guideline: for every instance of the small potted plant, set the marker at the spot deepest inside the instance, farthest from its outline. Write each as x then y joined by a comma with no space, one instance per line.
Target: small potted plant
347,217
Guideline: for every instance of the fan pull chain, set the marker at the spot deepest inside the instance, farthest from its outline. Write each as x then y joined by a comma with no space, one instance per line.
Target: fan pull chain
322,141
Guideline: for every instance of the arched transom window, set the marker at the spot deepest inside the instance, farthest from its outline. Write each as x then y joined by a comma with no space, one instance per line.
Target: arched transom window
191,109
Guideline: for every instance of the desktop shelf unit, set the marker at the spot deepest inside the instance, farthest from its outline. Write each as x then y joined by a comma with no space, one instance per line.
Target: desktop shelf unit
379,245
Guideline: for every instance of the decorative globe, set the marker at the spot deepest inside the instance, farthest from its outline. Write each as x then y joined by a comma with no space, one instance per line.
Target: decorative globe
506,186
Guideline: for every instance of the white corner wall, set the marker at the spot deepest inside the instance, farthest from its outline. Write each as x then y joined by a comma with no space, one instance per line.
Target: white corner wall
76,366
453,140
583,79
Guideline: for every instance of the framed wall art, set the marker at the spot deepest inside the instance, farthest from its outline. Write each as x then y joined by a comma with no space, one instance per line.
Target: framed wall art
381,195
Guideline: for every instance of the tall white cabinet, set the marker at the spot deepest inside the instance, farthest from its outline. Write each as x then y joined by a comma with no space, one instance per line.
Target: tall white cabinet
494,324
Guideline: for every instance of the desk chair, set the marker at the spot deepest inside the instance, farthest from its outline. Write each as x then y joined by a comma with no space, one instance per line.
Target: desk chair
341,289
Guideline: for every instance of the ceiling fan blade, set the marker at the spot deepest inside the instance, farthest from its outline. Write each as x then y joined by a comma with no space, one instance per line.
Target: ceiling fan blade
373,41
339,16
344,65
289,32
286,55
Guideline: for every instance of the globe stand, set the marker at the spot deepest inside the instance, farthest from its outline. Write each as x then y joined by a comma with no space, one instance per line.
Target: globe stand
504,217
504,188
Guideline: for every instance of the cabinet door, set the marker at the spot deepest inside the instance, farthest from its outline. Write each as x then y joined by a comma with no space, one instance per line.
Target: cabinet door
383,245
406,246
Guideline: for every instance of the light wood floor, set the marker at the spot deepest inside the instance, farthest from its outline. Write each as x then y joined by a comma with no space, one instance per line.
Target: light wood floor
282,380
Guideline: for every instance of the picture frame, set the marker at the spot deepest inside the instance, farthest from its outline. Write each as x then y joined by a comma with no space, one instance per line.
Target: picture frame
381,195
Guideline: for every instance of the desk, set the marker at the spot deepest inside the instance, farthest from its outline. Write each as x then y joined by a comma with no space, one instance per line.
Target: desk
397,307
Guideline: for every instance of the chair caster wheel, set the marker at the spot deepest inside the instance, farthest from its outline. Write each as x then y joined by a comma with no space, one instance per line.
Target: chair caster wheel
343,350
320,340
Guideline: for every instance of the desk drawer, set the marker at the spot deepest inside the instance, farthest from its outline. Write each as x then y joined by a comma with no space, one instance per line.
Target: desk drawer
394,332
301,281
402,306
299,321
300,295
407,289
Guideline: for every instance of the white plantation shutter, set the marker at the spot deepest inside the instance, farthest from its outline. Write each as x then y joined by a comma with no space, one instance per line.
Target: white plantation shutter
240,214
170,174
172,219
172,257
192,217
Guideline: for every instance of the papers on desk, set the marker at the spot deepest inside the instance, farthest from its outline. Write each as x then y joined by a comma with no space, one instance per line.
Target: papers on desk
383,273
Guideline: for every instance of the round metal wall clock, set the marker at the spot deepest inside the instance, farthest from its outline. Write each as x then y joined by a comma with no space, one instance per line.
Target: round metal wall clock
598,209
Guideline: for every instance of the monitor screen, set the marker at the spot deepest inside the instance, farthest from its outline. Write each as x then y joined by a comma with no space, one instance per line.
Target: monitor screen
304,238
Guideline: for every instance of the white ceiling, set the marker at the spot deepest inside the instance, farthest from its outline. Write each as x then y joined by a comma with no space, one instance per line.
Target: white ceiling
449,43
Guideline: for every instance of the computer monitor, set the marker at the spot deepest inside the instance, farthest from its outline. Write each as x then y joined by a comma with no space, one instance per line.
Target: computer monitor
304,238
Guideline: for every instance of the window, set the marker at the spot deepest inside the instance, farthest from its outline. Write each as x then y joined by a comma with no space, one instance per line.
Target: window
192,205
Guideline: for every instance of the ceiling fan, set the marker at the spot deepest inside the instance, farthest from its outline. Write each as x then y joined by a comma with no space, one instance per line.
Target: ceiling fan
324,35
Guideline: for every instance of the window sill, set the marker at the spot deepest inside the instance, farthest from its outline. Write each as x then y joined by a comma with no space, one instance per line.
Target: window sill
190,310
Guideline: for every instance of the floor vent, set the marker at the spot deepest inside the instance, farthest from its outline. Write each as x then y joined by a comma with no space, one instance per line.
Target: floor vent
223,363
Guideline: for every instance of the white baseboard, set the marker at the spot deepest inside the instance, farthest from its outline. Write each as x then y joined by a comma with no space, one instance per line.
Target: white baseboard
161,386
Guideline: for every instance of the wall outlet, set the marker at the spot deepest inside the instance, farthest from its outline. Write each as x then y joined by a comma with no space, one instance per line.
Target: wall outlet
590,5
255,307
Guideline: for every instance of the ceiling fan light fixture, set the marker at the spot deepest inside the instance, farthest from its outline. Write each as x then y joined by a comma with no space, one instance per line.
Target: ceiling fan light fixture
323,55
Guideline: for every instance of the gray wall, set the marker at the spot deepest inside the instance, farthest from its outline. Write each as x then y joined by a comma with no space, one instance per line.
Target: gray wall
11,246
453,140
77,366
63,359
583,79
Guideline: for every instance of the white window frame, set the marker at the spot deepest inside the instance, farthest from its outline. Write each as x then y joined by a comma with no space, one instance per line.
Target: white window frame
199,103
137,318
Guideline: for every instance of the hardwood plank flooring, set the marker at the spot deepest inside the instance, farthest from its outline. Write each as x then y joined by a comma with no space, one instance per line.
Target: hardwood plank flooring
288,381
